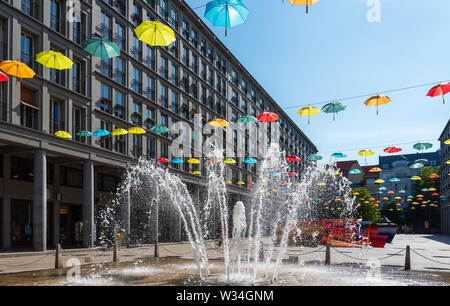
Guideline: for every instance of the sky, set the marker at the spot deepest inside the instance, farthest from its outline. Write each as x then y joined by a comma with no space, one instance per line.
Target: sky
334,52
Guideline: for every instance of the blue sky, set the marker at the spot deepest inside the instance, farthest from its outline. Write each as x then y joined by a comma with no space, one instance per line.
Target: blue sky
334,52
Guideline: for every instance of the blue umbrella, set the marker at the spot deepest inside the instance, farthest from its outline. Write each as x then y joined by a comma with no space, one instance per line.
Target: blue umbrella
416,166
177,161
226,13
101,133
339,155
354,171
250,160
394,179
274,175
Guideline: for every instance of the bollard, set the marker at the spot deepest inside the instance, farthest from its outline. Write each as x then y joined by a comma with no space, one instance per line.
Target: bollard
408,258
328,255
115,253
261,252
58,263
156,254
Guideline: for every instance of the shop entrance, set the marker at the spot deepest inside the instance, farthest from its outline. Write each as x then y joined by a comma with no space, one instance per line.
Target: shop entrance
70,225
21,224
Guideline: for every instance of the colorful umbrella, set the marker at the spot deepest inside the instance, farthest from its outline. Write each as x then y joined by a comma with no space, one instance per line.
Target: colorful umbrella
382,188
177,161
394,180
334,108
17,69
162,160
268,117
193,161
354,171
100,47
159,129
392,150
100,133
416,178
84,133
247,119
119,132
63,134
154,33
137,130
422,146
292,174
293,158
52,59
416,166
377,101
447,141
250,160
218,123
433,176
402,191
315,157
380,181
309,111
375,169
226,13
339,155
439,90
241,183
366,153
196,173
304,2
229,161
3,77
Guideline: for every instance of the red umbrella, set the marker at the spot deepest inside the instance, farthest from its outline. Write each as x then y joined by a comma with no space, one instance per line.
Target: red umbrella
433,176
284,184
292,174
439,90
435,194
3,77
250,183
268,117
391,192
392,150
293,158
162,160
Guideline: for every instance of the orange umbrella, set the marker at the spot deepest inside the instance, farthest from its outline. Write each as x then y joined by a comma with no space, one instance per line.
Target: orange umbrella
377,101
17,69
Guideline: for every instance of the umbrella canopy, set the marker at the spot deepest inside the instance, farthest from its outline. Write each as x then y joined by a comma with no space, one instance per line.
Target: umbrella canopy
420,146
100,47
416,166
177,161
84,133
226,13
3,77
309,111
366,153
241,183
292,174
334,108
63,134
380,181
394,180
247,119
432,189
137,130
402,191
162,160
304,2
293,158
390,192
196,173
268,117
119,132
159,129
339,155
250,160
218,123
274,175
193,161
354,171
229,161
17,69
447,141
433,176
392,150
52,59
154,33
382,188
315,157
101,133
439,90
375,169
377,101
416,178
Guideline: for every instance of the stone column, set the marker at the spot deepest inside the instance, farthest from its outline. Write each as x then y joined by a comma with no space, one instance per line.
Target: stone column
88,205
40,201
125,215
6,207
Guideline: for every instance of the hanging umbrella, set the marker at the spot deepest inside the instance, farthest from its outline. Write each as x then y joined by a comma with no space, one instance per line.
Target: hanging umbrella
159,129
382,188
424,189
196,173
422,146
392,150
377,101
366,153
334,108
390,192
218,123
416,178
274,174
100,47
52,59
309,111
394,180
226,13
119,132
63,134
193,161
402,191
247,119
229,161
162,160
241,183
447,141
101,133
137,130
339,155
416,166
84,133
432,189
380,181
304,2
268,117
3,77
228,182
439,90
375,169
433,176
354,171
292,174
422,161
154,33
250,160
17,69
177,161
315,157
293,158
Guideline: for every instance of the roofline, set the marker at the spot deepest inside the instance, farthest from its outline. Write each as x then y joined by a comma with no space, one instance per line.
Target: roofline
222,45
447,126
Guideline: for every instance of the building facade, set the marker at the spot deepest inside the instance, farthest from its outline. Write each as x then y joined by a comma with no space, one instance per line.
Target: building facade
445,180
49,184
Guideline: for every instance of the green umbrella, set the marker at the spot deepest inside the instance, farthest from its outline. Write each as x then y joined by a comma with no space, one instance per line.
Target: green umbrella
422,146
315,157
416,166
84,133
159,129
334,108
247,119
101,48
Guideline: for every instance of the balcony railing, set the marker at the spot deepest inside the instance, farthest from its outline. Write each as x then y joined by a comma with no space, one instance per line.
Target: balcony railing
56,24
104,31
78,85
149,93
31,8
149,62
28,60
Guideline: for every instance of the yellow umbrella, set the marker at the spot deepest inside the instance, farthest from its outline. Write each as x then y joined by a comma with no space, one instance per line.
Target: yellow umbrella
63,134
229,161
52,59
154,33
432,189
447,141
366,153
119,132
322,184
375,169
448,162
196,173
193,161
218,123
240,183
377,101
379,181
337,173
416,178
309,111
304,2
356,193
137,130
17,69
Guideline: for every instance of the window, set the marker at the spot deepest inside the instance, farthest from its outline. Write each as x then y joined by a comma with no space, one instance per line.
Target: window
77,77
71,177
150,118
137,83
119,35
21,169
29,112
105,142
194,64
136,50
164,69
163,9
27,50
185,56
137,114
164,96
105,101
78,123
151,148
55,15
164,150
185,29
105,26
119,106
31,8
174,75
119,72
107,183
137,146
150,90
174,102
174,19
76,30
150,57
136,17
56,115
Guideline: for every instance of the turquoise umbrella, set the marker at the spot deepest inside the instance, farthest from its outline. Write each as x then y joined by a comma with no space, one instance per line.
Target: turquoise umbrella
159,129
247,119
84,133
334,108
101,48
101,133
339,155
226,13
382,188
394,179
422,146
354,171
315,157
274,175
177,161
416,166
250,160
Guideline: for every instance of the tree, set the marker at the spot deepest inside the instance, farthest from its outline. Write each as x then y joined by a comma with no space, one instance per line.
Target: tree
366,209
393,212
